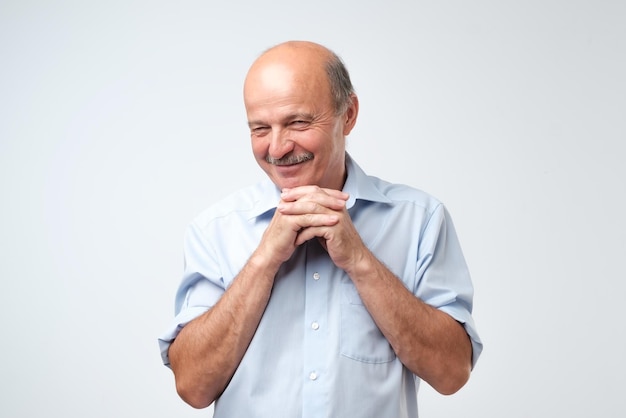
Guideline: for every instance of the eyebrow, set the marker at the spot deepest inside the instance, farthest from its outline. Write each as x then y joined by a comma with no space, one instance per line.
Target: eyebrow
301,115
286,119
252,123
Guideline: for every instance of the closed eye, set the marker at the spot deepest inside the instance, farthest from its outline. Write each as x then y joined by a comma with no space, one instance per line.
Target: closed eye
259,130
299,123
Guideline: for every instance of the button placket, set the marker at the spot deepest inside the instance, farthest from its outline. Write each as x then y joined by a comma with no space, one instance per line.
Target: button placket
315,345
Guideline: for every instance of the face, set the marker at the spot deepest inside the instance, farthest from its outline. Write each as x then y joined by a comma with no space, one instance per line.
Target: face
297,138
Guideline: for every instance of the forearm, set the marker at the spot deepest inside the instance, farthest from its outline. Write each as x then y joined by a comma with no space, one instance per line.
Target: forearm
428,341
208,350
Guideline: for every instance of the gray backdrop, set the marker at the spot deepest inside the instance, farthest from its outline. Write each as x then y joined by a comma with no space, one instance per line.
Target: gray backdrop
121,120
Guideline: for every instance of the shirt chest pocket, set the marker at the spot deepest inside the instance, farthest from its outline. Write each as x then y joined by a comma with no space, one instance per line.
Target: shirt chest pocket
360,339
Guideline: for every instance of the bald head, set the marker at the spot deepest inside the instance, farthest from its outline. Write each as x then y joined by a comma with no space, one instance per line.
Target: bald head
313,65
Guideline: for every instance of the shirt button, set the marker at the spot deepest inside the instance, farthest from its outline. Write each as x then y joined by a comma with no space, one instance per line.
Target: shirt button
315,326
316,276
313,376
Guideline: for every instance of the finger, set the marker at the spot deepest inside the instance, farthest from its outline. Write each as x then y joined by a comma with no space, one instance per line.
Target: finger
302,207
300,192
303,222
339,194
311,203
309,233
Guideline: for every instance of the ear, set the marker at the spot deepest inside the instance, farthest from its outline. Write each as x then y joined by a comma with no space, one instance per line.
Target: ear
351,114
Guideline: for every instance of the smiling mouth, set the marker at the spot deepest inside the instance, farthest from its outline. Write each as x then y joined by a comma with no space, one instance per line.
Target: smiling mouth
289,159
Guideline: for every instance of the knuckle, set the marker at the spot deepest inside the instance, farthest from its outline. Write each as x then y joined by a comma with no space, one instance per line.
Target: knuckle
314,207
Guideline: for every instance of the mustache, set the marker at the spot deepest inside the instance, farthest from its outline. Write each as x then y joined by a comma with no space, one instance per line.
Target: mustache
290,159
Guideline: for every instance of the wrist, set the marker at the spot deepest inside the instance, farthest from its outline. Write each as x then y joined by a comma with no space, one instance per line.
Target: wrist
263,264
363,264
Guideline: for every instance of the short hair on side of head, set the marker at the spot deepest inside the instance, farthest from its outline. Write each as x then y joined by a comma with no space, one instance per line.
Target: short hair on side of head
341,87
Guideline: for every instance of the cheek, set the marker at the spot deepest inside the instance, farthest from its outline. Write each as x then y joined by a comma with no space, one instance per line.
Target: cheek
259,148
312,140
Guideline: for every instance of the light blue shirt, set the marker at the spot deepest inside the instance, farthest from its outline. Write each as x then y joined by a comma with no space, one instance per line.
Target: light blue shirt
317,352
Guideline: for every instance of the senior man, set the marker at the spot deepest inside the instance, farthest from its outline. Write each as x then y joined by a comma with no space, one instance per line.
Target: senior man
320,291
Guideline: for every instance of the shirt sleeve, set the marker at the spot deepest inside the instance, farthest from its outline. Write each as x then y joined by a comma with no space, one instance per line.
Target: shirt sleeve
443,280
200,288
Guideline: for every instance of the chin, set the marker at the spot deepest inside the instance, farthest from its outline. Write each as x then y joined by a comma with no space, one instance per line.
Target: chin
289,183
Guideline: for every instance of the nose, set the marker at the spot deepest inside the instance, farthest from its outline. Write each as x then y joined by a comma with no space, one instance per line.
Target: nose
280,144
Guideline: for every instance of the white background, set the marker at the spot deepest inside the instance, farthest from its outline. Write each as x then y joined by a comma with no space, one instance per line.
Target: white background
121,120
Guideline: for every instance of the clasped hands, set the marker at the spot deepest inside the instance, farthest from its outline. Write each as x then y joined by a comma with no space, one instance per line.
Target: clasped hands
308,212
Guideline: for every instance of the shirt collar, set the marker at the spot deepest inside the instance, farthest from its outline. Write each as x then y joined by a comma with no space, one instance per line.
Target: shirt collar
358,185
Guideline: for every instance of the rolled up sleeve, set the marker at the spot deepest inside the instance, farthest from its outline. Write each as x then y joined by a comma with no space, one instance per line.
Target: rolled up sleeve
200,288
443,279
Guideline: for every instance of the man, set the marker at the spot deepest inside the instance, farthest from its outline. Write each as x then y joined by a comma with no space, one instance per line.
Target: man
319,291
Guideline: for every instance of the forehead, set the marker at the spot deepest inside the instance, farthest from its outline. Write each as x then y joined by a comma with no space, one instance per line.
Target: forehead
286,88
